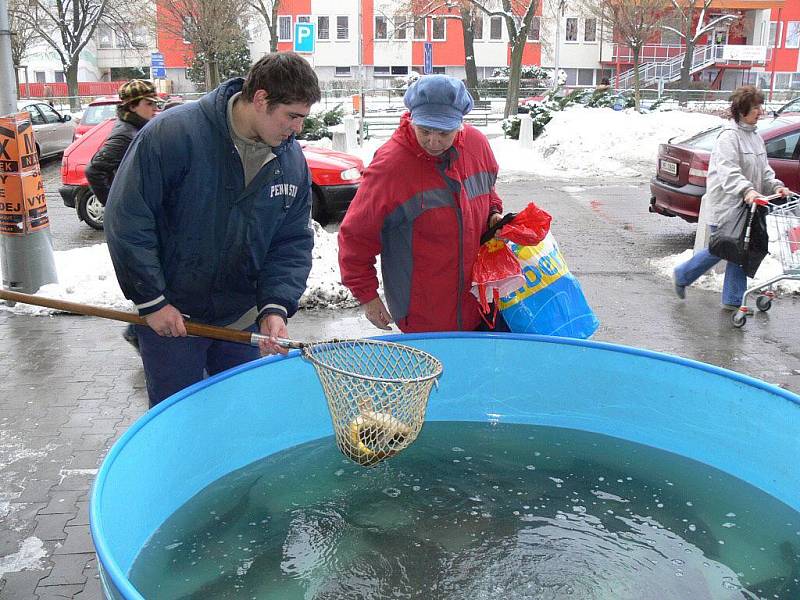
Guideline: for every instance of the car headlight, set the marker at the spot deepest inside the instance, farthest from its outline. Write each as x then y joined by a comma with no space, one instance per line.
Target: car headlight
352,173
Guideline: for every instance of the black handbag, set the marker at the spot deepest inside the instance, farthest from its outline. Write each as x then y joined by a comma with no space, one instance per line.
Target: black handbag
728,240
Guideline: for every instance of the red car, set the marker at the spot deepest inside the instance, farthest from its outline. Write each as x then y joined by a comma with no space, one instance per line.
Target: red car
99,109
682,166
335,177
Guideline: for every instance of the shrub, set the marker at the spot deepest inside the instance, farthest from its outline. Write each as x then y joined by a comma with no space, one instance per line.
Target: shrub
316,126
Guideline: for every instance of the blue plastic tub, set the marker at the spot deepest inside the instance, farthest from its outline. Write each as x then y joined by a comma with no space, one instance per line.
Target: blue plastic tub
740,425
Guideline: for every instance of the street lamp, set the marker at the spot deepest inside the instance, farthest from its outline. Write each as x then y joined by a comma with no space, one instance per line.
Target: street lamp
562,4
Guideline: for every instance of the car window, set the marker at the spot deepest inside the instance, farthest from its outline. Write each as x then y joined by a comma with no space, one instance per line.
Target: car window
783,147
98,113
793,106
50,116
36,116
703,141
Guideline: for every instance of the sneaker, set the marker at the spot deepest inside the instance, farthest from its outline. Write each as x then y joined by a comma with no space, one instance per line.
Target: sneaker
680,290
732,307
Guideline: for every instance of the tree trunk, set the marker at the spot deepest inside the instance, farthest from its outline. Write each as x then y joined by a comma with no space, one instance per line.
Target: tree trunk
212,72
71,75
686,66
636,81
273,27
469,52
512,100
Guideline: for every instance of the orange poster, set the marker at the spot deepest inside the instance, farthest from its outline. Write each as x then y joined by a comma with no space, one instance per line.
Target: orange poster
23,205
17,144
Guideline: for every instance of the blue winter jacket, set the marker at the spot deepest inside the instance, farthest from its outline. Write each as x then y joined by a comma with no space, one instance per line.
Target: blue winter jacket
182,228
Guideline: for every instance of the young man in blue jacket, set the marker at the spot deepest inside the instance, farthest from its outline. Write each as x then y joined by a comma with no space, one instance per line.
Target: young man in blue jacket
209,218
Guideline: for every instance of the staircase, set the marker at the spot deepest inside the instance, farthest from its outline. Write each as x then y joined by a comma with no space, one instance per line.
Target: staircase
669,70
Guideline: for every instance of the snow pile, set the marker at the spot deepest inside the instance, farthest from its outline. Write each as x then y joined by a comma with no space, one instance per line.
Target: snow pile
86,276
588,142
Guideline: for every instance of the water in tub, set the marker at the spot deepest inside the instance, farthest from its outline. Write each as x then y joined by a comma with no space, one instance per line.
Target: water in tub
477,511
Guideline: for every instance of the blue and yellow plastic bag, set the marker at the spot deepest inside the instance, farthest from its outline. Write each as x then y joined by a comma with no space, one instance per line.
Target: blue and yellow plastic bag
551,301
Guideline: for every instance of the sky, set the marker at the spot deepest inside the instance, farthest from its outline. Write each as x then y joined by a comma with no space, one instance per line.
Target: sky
578,143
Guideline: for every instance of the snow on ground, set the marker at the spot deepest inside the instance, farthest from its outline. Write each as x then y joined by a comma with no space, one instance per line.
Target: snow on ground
591,142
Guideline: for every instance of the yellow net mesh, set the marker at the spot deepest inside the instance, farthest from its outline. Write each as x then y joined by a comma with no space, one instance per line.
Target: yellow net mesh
377,394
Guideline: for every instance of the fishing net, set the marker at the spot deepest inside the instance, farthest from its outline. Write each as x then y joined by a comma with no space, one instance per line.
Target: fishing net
377,394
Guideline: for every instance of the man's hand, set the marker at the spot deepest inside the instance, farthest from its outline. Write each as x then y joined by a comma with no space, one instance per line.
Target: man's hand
275,327
375,311
167,322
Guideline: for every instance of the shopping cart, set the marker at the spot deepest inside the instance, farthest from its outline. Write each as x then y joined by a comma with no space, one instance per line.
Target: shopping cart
783,225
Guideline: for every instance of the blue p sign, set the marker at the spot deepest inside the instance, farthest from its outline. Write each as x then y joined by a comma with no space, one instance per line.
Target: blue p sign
304,37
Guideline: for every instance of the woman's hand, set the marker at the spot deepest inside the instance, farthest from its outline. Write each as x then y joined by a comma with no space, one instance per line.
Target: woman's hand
375,311
750,196
783,191
494,218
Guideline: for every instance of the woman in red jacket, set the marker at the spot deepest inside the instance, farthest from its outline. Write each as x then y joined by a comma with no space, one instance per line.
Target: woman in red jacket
426,199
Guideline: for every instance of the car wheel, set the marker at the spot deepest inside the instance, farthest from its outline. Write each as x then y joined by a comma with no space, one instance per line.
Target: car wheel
90,210
319,211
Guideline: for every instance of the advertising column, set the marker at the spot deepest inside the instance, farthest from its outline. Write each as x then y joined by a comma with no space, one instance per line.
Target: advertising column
26,248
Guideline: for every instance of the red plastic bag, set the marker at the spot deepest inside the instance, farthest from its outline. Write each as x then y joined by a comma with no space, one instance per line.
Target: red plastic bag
496,273
528,228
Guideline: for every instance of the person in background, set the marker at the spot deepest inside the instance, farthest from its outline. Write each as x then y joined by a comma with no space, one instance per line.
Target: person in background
426,198
137,106
738,172
209,218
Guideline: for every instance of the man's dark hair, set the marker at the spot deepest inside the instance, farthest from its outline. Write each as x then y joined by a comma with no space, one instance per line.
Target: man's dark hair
286,77
745,99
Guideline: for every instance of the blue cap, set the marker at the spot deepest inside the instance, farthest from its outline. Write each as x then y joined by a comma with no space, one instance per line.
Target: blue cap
438,102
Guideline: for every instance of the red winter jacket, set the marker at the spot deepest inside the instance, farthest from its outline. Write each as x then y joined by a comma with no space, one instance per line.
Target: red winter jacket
424,215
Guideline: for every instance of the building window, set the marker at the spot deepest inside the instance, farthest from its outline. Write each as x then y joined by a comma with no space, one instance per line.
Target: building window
323,28
139,36
775,31
381,28
343,72
419,29
39,76
400,23
438,29
438,70
188,28
590,30
104,37
58,77
381,71
342,27
303,19
284,28
534,30
793,34
495,28
399,71
585,77
571,30
477,27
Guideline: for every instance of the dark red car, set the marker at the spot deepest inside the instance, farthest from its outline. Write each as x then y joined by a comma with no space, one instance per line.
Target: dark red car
682,166
335,177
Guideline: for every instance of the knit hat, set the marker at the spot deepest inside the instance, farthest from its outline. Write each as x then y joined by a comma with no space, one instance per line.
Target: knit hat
136,89
438,102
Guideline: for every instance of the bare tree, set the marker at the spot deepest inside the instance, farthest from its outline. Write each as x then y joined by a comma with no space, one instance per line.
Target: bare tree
633,23
211,27
23,35
691,32
67,26
517,15
463,11
268,9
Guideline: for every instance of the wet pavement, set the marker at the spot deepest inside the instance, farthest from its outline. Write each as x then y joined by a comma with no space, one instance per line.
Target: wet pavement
72,385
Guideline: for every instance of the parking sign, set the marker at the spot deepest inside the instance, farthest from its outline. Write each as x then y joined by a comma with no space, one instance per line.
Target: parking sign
304,37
